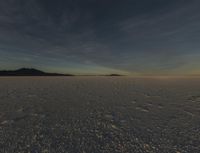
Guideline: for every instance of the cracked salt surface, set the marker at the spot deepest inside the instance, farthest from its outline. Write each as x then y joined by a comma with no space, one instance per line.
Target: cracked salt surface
99,114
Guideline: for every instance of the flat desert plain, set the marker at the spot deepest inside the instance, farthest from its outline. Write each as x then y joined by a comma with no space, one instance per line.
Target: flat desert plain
99,115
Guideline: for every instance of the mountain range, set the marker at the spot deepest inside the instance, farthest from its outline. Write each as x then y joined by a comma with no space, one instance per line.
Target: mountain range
29,72
35,72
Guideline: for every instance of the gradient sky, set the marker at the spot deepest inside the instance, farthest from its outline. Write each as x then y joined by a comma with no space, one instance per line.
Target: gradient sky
138,37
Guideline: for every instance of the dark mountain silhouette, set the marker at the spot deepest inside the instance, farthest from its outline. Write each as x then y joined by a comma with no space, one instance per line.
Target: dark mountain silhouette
29,72
114,75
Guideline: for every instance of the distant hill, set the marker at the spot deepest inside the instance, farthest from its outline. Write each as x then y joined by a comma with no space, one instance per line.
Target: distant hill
29,72
114,75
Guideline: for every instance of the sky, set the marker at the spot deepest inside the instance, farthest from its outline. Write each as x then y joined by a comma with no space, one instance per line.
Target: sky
133,37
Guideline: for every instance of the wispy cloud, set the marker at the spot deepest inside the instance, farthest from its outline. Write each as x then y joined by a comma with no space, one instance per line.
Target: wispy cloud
135,36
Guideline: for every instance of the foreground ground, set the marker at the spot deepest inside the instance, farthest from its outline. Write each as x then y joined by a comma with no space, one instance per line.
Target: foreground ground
99,115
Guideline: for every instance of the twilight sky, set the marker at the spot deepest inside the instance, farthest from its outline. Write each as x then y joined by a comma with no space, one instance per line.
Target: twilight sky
137,37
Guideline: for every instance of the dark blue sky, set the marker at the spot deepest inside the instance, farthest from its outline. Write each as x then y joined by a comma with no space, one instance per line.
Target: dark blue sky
154,37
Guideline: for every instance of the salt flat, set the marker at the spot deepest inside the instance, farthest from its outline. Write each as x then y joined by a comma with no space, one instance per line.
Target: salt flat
99,115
